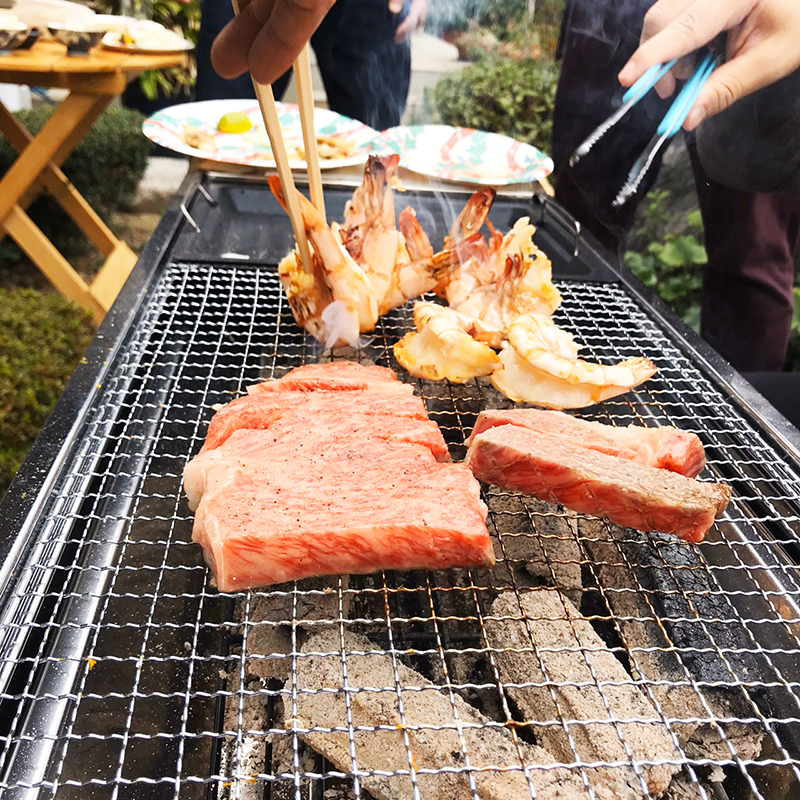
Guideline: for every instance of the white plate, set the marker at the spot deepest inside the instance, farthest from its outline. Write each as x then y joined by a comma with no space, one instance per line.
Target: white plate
467,155
111,42
252,148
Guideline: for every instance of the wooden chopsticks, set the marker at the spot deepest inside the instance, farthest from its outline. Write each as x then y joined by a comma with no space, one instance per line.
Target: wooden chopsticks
305,102
269,112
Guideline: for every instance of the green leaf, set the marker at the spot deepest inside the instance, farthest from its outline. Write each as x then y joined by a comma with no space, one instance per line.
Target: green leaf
695,219
682,250
796,316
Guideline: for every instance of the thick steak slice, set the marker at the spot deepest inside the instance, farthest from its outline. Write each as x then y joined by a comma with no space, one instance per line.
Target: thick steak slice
335,375
260,411
438,733
271,512
589,482
663,447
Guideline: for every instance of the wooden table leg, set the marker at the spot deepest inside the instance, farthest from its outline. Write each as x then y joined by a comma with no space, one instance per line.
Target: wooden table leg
39,164
54,180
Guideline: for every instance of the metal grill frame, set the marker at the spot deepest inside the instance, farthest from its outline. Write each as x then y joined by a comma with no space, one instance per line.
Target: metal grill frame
64,433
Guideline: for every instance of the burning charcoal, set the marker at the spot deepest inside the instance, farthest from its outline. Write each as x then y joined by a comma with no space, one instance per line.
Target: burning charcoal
682,787
271,613
539,544
542,639
428,725
671,574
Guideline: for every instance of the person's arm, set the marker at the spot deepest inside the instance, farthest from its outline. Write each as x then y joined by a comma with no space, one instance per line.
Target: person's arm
763,46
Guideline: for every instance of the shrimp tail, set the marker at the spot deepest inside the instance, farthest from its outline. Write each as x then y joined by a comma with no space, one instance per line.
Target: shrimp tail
472,216
417,243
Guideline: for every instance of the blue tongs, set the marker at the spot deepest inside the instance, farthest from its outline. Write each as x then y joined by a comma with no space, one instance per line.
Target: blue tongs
669,126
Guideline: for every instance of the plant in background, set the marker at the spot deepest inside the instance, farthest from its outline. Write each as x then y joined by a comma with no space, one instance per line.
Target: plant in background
181,16
446,17
501,95
42,337
669,263
793,356
106,168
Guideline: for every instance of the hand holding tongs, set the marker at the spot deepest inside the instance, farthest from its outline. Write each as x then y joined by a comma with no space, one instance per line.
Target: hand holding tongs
669,126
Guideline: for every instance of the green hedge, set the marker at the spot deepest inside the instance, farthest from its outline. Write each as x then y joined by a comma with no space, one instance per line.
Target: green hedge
501,95
42,337
106,168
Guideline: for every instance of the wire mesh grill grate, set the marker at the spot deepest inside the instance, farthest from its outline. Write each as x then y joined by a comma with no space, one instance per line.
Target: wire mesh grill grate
636,662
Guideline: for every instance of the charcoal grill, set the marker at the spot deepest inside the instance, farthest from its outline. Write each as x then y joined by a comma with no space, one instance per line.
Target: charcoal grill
125,674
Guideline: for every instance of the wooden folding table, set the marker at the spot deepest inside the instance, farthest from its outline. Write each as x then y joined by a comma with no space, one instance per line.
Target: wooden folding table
93,82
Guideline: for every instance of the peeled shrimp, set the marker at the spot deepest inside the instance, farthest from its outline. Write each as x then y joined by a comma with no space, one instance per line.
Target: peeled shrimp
505,278
446,345
540,365
336,300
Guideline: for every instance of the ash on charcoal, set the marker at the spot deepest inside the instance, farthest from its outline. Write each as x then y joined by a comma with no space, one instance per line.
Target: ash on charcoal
538,544
540,638
648,587
682,787
424,738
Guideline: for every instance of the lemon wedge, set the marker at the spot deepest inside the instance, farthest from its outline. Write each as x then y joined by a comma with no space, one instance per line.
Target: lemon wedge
234,122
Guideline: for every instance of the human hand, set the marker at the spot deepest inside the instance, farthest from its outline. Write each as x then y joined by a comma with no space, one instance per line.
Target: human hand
266,37
415,19
763,46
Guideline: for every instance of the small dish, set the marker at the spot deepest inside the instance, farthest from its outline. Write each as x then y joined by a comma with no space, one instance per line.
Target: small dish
78,39
11,39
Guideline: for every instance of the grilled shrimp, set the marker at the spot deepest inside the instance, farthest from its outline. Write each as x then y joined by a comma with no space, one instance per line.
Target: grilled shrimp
506,277
336,300
472,217
369,231
417,243
414,278
540,365
446,345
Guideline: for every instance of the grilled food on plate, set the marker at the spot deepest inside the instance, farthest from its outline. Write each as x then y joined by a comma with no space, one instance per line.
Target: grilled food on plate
329,483
559,470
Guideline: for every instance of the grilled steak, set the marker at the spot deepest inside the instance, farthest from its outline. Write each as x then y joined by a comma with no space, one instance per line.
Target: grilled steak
335,375
331,482
261,411
663,447
589,482
427,737
555,667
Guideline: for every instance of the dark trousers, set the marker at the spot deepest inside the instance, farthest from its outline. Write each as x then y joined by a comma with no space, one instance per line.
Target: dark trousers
366,75
750,239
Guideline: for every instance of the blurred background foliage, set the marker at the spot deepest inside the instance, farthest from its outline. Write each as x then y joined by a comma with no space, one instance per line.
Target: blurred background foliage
181,16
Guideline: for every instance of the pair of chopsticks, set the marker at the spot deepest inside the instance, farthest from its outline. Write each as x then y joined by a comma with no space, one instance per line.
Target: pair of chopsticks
269,112
668,127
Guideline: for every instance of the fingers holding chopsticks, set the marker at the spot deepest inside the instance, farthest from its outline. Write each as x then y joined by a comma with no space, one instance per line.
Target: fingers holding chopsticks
266,37
763,46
